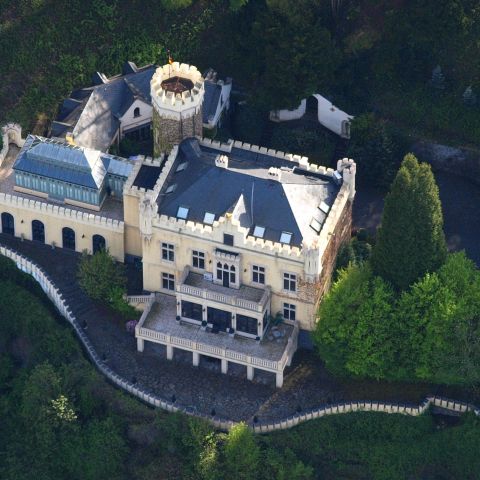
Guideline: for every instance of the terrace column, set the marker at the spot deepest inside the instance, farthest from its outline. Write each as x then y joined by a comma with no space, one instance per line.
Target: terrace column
250,372
140,344
196,359
260,327
279,379
224,365
169,352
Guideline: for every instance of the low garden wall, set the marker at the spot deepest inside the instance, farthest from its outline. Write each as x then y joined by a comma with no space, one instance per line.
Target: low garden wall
55,295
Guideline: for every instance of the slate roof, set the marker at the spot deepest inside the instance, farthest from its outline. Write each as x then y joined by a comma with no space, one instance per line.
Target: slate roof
246,190
93,113
210,100
99,121
147,177
67,163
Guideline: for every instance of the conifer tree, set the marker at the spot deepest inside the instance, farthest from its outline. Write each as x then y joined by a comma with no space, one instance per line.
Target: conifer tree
410,241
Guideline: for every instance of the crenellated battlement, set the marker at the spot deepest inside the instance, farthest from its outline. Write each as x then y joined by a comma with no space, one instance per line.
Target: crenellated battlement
16,201
183,101
298,160
210,231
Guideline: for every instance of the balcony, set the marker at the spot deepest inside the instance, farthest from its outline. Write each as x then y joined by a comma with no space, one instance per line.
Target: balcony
248,298
273,353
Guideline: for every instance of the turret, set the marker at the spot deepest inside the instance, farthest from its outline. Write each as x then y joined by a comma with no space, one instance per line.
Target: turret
177,96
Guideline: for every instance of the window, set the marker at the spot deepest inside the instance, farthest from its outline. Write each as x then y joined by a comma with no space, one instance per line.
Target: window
209,218
289,311
198,259
290,282
258,231
98,243
247,324
258,274
286,237
38,231
168,281
192,310
226,274
324,207
136,112
228,239
171,188
182,212
68,238
316,225
168,252
181,167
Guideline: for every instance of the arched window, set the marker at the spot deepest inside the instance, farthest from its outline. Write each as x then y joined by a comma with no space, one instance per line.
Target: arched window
98,243
136,112
232,274
68,238
38,231
8,224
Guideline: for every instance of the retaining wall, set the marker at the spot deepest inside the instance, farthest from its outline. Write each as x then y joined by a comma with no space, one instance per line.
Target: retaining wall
55,295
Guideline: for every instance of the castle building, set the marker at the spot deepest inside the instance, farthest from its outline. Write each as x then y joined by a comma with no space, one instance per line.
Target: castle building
237,242
121,107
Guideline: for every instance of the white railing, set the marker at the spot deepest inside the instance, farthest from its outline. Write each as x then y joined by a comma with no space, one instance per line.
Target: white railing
207,294
138,298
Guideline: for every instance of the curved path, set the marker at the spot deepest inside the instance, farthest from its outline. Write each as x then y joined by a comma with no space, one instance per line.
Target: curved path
222,399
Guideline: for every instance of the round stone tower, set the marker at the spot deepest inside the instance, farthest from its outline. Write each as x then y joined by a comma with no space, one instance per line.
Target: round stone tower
177,95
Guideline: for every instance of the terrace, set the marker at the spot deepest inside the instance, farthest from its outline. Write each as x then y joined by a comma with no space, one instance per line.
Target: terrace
160,324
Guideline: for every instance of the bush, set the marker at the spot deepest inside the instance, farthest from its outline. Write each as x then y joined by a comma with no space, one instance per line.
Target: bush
104,280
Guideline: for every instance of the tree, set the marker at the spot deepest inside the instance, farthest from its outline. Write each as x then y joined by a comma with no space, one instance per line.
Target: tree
410,241
242,454
375,150
299,55
358,330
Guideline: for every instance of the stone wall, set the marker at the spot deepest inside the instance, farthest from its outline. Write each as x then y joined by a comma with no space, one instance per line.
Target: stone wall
168,132
464,162
56,297
11,133
341,234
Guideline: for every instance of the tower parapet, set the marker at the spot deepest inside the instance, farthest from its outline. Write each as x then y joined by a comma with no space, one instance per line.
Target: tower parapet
177,92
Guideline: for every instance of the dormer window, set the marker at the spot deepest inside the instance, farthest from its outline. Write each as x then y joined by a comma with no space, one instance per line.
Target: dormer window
181,167
209,218
258,231
316,225
286,237
182,212
136,112
171,188
324,207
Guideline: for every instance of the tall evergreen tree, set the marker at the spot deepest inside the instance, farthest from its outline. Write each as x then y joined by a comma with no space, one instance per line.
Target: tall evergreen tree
410,241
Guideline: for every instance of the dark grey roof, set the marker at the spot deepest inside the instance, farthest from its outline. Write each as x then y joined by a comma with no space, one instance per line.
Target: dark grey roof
147,177
93,113
210,100
246,190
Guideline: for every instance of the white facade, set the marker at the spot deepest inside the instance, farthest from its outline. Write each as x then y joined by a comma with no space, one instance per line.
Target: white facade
329,116
139,114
